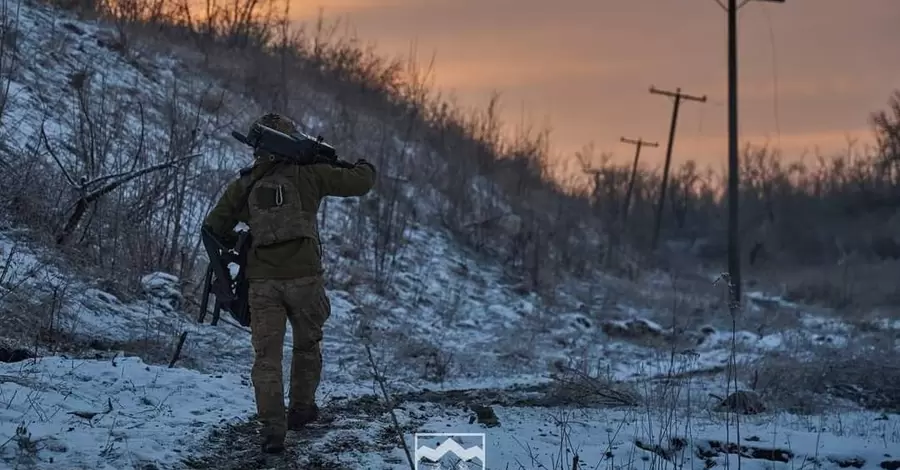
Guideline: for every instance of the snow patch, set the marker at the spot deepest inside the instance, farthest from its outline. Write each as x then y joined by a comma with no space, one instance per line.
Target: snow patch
111,414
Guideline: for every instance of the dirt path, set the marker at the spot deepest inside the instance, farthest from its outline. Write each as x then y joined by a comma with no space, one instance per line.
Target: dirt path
347,427
344,428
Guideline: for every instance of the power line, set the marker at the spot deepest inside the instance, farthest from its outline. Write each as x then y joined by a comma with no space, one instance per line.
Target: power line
775,100
678,96
734,242
639,143
748,1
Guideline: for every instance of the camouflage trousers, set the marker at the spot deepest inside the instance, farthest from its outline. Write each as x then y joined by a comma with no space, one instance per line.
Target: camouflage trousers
304,303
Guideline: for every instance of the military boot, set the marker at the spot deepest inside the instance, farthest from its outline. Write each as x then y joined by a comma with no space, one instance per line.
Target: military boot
299,417
272,442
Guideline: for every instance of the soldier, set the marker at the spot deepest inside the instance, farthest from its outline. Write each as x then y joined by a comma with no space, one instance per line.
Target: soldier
284,269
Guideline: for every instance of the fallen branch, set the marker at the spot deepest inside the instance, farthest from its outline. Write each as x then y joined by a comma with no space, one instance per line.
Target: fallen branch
178,347
112,182
579,384
90,415
92,190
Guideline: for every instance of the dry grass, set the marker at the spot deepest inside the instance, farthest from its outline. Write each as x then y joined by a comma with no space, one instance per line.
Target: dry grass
582,385
851,288
816,377
551,230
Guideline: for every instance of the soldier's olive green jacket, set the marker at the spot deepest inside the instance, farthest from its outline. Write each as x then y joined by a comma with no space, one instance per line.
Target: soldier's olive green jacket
295,258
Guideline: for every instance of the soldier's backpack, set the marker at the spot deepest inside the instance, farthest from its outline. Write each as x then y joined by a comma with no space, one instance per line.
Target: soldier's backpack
276,210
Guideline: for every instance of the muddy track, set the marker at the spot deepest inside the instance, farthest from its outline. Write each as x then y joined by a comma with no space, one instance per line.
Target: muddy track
235,446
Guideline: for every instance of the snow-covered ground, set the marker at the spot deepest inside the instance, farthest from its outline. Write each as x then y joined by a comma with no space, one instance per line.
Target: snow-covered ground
121,413
110,411
453,335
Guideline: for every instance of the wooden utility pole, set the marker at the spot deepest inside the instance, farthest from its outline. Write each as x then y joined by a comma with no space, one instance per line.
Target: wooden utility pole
637,155
734,241
678,96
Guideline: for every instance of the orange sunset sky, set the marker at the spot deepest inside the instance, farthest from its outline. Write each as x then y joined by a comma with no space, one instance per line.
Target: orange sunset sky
585,66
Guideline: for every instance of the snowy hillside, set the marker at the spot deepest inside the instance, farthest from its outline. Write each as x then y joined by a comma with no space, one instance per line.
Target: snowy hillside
592,378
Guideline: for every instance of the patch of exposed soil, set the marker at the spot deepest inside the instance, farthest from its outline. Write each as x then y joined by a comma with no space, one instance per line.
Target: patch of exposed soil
236,446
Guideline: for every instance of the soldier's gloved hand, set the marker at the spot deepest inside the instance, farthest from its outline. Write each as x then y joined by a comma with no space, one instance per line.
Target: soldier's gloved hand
363,161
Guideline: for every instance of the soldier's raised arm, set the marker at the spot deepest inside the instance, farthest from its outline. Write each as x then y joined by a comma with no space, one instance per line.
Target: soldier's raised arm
346,182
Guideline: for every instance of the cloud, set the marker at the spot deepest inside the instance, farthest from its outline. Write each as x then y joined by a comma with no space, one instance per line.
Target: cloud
510,73
305,10
587,64
791,146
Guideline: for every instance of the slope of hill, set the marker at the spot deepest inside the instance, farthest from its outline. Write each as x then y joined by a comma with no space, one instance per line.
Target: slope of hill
604,369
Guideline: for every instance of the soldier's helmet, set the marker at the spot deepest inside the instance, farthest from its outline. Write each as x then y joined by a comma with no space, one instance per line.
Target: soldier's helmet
276,121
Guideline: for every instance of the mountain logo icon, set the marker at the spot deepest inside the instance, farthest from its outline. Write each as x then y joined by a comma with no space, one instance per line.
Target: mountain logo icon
459,450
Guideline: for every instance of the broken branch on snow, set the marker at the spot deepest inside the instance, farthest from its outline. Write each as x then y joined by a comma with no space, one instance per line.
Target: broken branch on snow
94,189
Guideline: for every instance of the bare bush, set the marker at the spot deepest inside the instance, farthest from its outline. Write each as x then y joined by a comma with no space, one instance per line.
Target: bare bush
503,196
9,54
123,200
862,374
581,385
